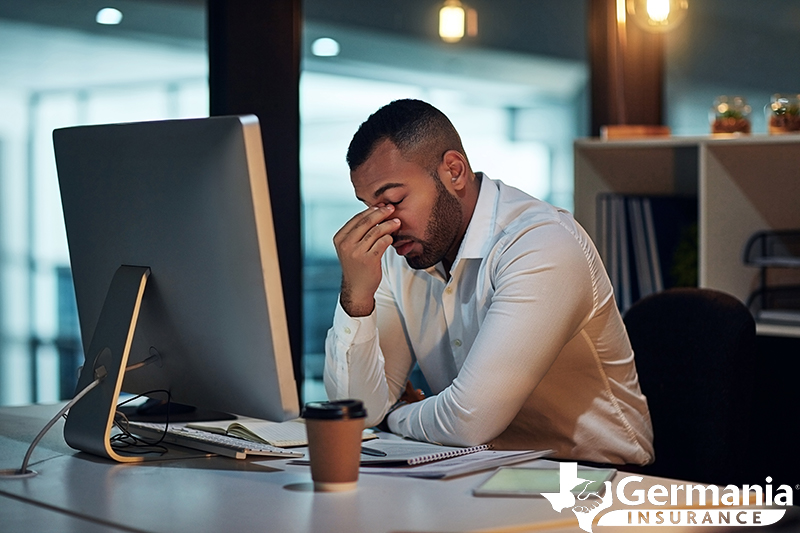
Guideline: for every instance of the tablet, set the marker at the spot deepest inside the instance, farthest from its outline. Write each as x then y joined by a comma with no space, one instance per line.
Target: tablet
522,481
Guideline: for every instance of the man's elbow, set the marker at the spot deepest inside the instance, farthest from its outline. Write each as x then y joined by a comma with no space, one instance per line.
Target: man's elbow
467,441
471,432
476,438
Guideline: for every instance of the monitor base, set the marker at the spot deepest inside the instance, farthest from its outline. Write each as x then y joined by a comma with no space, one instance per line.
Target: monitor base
160,411
90,421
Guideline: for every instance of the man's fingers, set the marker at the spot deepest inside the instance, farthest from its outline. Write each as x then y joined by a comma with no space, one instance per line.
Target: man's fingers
381,245
360,224
379,235
379,231
411,395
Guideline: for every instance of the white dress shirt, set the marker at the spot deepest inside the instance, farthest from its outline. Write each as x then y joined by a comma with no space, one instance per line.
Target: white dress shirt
523,344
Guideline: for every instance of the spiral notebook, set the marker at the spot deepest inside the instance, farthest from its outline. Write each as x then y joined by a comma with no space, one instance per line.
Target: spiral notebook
405,453
412,453
459,465
431,461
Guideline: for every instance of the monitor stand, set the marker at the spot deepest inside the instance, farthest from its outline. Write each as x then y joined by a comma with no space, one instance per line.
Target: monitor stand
90,421
165,411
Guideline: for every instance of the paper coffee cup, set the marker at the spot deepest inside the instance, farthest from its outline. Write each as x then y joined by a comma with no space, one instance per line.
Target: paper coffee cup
334,443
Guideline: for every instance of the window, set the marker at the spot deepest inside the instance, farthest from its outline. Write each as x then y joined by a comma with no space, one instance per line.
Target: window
64,78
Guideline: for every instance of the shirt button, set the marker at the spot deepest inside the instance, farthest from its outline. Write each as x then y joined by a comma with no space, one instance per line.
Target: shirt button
449,290
347,330
457,342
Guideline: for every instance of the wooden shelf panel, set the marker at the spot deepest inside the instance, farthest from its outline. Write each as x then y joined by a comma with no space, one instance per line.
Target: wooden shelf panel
744,188
744,184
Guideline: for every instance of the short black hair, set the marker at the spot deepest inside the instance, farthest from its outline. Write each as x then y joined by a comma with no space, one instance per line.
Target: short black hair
421,132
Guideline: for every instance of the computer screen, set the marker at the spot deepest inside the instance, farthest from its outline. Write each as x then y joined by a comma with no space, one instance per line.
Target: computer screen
189,200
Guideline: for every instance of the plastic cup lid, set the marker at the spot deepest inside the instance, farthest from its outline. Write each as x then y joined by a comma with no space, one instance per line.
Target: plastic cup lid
335,410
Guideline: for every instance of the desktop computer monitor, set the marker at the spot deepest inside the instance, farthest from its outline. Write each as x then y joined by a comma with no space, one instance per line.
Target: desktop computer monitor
177,213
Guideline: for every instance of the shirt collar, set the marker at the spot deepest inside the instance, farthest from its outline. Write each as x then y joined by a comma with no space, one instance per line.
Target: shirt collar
477,239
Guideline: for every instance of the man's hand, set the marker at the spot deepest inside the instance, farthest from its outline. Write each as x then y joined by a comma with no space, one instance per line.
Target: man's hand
360,244
411,395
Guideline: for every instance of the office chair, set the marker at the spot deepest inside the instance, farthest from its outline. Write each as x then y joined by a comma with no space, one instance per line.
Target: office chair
695,354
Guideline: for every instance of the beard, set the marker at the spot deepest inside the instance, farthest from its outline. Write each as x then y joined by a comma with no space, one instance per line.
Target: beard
442,229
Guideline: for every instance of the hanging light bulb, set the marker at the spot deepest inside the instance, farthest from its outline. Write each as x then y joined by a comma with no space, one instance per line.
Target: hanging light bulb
658,15
658,11
452,18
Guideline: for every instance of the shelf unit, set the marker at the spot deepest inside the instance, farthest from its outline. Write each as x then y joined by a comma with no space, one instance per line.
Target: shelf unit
743,184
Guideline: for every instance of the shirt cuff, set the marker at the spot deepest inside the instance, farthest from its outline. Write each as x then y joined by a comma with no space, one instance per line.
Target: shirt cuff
354,330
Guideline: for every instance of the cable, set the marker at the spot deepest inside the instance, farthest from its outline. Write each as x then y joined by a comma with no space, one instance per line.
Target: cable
132,443
23,470
100,374
136,366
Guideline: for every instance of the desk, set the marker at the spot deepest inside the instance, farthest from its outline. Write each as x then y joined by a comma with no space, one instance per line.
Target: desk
78,492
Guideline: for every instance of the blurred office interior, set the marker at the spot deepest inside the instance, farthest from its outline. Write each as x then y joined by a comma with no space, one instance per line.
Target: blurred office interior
518,92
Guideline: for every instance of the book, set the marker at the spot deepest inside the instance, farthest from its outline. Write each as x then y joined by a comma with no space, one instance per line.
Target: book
281,434
633,131
648,243
640,247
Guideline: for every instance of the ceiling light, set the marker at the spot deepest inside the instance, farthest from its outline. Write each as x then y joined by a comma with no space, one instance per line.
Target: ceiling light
452,17
658,15
456,20
108,15
325,47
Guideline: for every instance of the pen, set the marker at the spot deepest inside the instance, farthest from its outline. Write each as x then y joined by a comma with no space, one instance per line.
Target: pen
371,451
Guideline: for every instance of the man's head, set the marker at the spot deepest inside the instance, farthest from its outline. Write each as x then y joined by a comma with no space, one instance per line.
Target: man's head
408,154
421,132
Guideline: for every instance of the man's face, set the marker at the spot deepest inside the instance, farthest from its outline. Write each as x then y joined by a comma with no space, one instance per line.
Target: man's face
430,216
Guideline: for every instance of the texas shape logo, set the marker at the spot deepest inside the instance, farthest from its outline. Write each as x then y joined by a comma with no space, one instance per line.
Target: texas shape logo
587,505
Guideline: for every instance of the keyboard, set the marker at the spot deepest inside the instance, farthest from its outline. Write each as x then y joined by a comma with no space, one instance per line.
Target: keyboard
210,442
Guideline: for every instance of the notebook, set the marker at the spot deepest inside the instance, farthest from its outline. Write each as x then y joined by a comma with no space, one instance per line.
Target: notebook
280,434
410,458
459,465
412,453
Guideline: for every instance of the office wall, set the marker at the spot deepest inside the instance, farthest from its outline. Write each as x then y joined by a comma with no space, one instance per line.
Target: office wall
539,27
743,47
732,47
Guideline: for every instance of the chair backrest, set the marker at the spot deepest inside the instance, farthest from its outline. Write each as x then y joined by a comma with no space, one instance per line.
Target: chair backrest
695,354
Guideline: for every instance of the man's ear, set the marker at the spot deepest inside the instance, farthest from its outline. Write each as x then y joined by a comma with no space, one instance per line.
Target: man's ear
456,169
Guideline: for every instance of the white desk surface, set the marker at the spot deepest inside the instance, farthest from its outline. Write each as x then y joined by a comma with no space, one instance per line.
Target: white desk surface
79,492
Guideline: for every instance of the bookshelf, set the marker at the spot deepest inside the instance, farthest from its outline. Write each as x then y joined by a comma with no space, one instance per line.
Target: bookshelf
743,185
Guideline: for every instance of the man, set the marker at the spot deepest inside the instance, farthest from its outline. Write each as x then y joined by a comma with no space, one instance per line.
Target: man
500,298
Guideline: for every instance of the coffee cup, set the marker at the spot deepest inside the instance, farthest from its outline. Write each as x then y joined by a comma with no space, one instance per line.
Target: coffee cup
334,443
